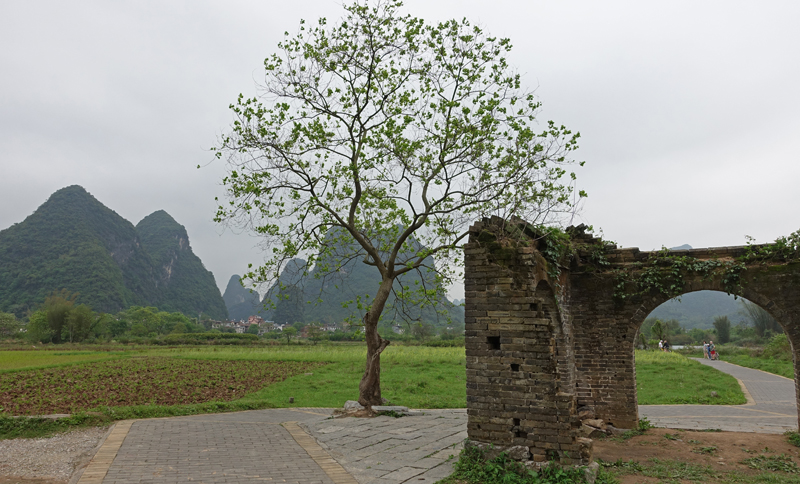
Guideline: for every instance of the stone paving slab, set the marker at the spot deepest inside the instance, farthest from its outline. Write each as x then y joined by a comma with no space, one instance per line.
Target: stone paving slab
388,450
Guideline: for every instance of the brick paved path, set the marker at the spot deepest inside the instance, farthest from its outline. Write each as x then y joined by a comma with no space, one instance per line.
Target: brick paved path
219,448
773,410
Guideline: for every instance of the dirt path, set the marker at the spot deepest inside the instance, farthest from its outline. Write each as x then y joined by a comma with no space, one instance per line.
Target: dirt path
721,451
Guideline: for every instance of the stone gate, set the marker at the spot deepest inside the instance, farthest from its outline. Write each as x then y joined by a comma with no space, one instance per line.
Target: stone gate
550,345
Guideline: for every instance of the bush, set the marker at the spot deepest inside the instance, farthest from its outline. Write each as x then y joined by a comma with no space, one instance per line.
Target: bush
446,343
208,339
778,348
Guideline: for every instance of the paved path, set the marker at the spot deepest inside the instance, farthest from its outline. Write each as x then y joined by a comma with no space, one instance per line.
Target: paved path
772,407
306,446
253,446
418,449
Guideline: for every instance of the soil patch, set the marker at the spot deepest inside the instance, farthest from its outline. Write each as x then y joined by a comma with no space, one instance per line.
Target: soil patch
138,381
719,452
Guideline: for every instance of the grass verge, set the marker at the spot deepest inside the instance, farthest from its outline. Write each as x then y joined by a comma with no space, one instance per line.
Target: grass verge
672,379
770,365
673,471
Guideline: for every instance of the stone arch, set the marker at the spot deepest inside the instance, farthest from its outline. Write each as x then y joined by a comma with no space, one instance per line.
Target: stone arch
751,294
543,349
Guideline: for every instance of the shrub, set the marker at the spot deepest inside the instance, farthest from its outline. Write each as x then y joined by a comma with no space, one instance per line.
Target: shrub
209,339
778,348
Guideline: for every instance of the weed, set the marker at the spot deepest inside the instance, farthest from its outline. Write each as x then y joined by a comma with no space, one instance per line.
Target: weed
780,462
671,437
473,467
793,437
37,427
672,471
710,450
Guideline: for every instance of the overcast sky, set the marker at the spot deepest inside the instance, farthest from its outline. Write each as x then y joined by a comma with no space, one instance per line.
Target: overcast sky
689,111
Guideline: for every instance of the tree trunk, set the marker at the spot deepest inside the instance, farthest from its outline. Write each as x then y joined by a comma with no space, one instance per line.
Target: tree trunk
369,390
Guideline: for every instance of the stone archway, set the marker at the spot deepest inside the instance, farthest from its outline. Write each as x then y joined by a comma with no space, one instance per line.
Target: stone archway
529,376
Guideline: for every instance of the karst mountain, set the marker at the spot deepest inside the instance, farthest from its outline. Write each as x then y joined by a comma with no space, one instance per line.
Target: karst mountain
74,242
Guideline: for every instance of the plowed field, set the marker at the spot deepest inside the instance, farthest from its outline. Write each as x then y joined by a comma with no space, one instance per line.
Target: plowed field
138,381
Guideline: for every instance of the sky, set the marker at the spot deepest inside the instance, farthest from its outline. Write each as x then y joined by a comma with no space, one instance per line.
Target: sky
689,112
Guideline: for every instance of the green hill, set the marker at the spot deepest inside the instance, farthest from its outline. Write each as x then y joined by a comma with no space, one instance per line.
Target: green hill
698,309
182,282
74,242
240,301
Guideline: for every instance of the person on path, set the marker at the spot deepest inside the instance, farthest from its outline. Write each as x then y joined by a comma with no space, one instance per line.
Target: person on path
705,351
711,352
661,344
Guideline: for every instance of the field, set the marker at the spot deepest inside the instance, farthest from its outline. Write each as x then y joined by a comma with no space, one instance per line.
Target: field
155,382
670,378
777,367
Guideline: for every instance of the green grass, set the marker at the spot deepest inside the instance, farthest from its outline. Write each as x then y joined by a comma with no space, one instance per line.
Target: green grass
770,365
413,376
30,359
670,378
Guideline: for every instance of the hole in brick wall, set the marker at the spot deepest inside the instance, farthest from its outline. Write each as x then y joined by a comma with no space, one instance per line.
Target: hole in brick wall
494,342
518,432
534,307
514,367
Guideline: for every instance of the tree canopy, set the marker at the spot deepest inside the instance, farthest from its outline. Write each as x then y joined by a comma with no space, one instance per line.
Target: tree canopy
380,139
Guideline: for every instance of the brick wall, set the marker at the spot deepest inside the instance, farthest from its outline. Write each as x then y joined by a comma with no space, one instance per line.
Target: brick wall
544,354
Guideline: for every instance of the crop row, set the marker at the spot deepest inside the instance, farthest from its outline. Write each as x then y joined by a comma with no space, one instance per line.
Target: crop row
138,381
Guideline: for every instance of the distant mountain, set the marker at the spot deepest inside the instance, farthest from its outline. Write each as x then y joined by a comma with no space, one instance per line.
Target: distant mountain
322,298
74,242
698,309
240,301
182,283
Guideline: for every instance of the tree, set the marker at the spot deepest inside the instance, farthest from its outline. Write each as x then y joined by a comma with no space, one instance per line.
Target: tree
761,320
422,331
79,323
314,333
290,332
381,139
252,329
723,326
57,307
658,330
9,326
38,328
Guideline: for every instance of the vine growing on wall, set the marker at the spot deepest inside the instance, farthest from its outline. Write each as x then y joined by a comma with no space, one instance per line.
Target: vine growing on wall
665,273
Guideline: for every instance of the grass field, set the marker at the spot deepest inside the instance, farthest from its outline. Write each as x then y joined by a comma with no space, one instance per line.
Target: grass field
414,376
770,365
23,360
671,378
